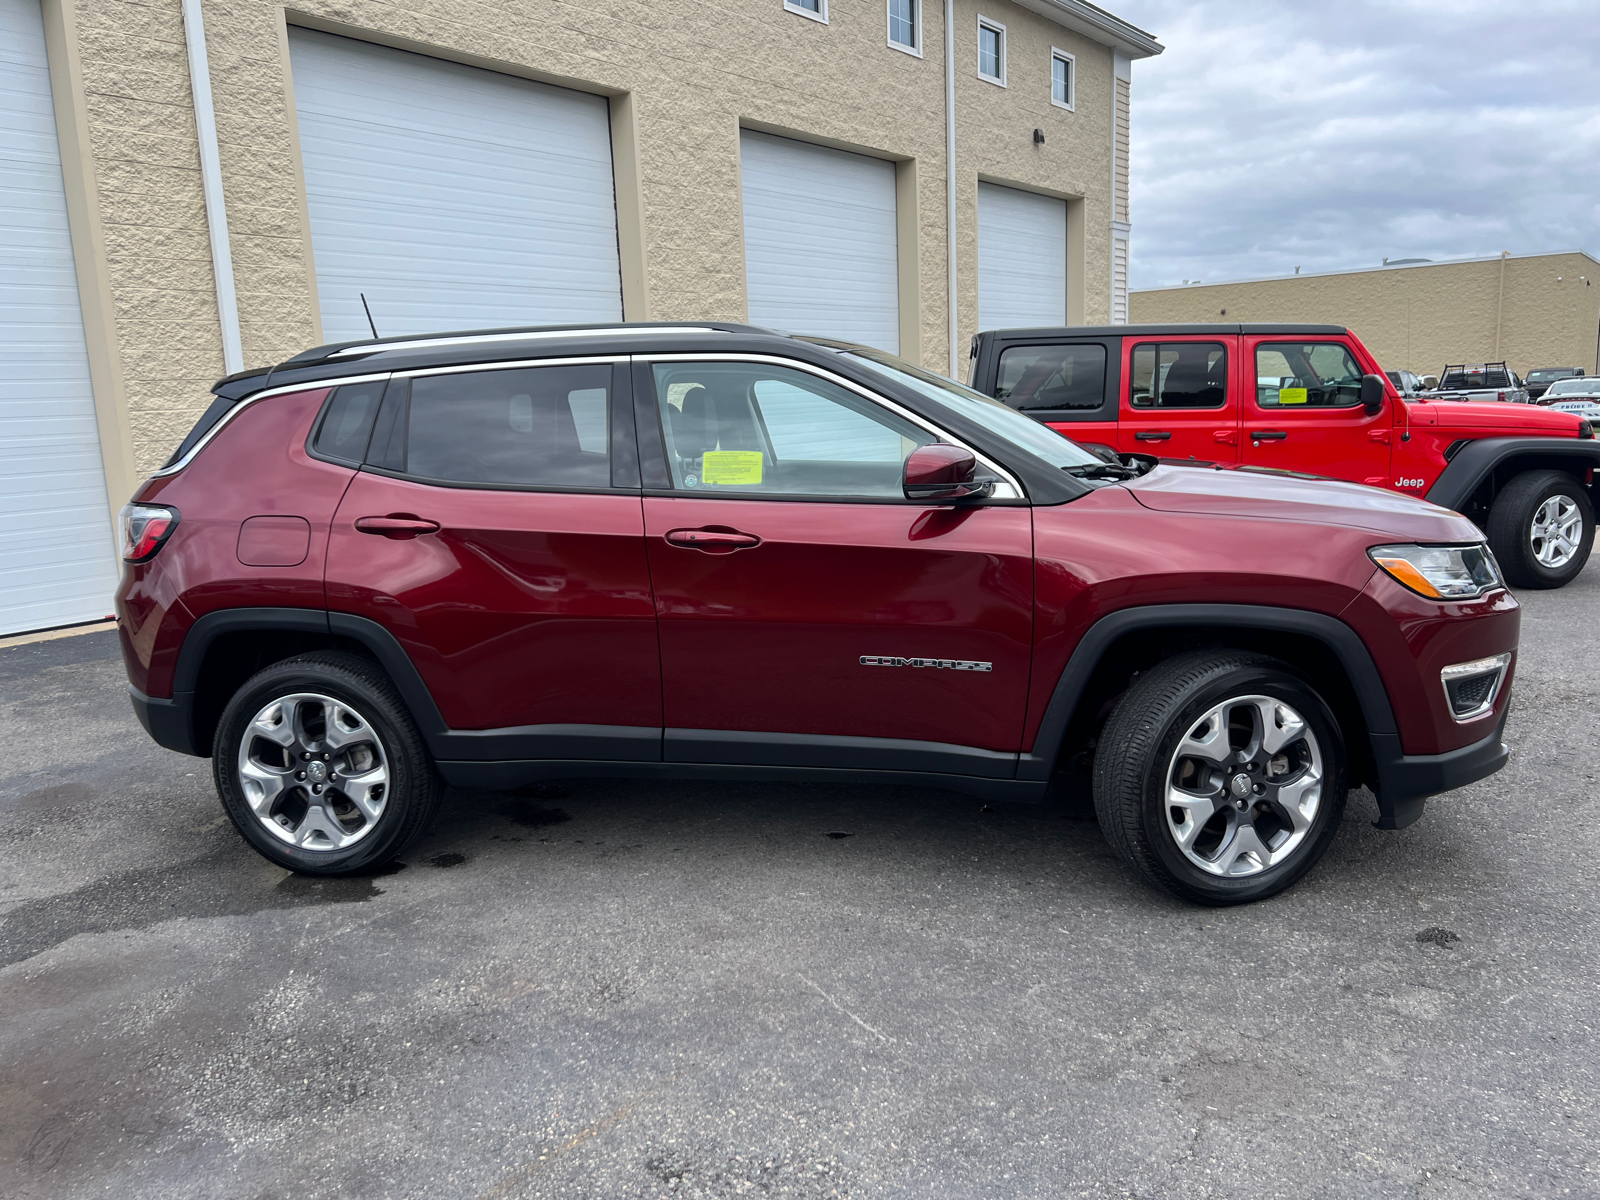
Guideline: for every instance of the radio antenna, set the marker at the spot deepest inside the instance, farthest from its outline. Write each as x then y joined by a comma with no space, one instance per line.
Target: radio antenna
368,311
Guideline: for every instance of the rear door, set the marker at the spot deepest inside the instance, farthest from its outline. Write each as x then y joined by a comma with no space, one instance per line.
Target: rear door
1305,413
496,532
1180,398
809,614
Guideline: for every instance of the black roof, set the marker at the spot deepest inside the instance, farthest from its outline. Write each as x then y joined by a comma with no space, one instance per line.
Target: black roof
1199,327
461,346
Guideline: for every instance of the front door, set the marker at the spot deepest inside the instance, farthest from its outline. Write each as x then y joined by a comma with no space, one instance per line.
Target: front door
809,614
497,536
1180,399
1306,413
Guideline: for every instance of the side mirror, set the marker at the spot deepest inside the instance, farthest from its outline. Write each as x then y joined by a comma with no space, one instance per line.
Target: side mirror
1372,388
940,471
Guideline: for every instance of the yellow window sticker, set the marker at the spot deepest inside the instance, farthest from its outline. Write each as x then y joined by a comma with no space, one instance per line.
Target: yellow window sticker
731,467
1291,395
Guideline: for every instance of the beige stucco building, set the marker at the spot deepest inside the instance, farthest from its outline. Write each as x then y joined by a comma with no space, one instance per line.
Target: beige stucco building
236,181
1533,310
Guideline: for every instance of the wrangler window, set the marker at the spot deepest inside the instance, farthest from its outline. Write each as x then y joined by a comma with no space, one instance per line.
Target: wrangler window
1307,375
1039,377
1180,375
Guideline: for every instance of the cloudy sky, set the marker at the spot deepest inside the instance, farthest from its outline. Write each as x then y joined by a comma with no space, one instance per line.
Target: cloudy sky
1274,134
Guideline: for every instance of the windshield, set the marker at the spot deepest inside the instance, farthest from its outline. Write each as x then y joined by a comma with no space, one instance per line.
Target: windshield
1024,432
1547,376
1574,387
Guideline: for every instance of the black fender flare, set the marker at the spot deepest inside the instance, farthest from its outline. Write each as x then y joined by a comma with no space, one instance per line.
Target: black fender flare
1403,781
1475,461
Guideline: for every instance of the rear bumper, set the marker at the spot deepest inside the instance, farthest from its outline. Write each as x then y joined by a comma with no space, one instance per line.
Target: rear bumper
169,722
1405,781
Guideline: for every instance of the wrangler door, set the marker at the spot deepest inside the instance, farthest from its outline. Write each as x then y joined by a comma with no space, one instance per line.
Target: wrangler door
809,615
1180,398
1305,413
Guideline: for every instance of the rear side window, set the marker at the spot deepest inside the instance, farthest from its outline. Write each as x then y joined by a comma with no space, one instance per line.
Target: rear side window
1043,377
347,422
530,427
1307,375
1180,375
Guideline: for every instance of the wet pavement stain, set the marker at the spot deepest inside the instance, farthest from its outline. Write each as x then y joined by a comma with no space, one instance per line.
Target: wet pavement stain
532,816
226,883
446,860
1445,939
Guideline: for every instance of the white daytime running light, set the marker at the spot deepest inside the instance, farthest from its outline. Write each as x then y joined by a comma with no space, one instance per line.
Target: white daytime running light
1441,572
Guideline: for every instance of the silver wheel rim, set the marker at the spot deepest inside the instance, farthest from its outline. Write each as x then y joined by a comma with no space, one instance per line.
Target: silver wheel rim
314,772
1244,786
1556,531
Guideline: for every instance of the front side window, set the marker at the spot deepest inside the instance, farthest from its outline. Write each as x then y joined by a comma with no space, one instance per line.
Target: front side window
1307,375
530,427
905,25
1062,66
1180,375
1038,377
992,50
772,430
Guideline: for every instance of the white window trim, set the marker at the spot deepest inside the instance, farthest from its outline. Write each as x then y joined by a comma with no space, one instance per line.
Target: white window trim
822,16
986,23
916,24
1072,78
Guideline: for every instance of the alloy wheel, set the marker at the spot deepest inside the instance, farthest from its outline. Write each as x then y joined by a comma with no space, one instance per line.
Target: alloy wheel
313,771
1243,786
1556,531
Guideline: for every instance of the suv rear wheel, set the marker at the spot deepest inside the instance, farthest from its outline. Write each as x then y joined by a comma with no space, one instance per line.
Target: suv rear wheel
321,768
1541,529
1220,777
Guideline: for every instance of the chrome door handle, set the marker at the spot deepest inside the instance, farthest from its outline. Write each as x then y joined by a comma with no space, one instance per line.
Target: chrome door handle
712,541
397,525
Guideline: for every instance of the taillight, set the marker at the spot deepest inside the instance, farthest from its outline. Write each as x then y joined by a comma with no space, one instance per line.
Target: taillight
144,528
1500,396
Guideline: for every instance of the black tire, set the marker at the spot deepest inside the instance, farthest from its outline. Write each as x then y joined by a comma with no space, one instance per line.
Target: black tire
1136,752
1511,521
410,793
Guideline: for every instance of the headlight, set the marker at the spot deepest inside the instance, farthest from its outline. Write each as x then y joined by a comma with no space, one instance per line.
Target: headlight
1441,572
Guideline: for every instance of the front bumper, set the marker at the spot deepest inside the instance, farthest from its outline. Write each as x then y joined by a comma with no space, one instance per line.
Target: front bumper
1405,781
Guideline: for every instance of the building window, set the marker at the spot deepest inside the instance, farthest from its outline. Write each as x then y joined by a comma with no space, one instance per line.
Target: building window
1063,79
817,10
992,51
905,26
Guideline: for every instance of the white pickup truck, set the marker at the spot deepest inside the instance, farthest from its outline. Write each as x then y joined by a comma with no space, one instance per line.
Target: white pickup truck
1480,381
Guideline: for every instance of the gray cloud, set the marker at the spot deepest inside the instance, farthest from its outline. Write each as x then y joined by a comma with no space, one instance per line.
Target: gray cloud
1277,134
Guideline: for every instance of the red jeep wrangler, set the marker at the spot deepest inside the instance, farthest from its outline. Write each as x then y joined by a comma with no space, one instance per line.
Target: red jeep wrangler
1311,399
688,551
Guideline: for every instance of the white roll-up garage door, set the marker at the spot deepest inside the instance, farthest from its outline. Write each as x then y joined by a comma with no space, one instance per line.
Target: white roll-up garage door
57,562
1022,258
455,198
820,244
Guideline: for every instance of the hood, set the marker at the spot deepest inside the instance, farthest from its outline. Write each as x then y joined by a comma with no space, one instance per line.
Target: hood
1493,417
1279,496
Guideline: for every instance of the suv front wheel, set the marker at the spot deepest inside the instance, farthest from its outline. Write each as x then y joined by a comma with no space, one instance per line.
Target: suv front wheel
1220,777
320,766
1541,529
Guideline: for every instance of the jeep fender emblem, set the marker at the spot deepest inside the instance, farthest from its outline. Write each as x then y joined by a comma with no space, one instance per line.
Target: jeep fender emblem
947,664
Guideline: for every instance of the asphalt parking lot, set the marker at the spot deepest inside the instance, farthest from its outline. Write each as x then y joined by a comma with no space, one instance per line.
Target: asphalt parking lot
617,989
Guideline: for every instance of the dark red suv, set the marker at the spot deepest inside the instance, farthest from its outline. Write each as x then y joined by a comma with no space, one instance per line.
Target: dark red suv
487,559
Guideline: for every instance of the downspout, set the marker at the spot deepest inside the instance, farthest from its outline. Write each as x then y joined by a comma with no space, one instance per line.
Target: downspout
1500,304
205,127
950,178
